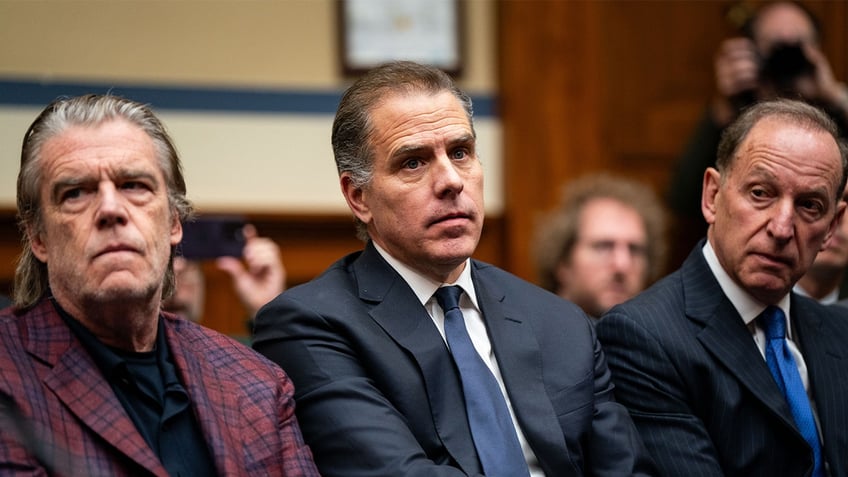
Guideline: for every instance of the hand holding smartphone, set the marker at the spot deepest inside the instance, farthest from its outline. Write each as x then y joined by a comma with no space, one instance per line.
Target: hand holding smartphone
212,236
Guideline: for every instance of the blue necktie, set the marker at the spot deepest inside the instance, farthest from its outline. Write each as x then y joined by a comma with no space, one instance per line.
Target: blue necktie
491,425
785,372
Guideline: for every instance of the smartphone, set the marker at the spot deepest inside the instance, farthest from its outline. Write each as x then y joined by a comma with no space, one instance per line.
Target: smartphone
212,236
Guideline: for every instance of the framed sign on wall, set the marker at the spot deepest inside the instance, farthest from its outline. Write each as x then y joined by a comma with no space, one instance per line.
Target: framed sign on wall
375,31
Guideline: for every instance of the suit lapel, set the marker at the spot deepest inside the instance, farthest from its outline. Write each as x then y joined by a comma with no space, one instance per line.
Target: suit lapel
397,310
78,384
210,400
517,352
824,356
727,337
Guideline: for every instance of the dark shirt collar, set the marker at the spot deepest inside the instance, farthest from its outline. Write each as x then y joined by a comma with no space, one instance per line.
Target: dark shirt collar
110,360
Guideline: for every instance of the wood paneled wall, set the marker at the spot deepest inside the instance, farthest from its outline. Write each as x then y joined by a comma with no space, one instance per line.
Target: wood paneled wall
583,86
608,85
10,249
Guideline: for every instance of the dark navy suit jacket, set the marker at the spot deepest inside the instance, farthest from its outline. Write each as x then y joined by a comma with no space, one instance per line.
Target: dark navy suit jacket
378,394
700,392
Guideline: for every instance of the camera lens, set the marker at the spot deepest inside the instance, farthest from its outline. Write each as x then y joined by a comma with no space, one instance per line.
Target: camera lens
785,63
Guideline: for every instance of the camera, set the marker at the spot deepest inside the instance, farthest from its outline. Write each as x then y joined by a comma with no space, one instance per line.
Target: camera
783,64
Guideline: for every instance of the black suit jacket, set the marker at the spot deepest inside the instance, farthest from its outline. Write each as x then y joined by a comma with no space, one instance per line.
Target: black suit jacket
700,392
378,394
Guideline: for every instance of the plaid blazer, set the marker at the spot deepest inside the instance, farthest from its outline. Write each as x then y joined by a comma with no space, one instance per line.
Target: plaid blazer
59,414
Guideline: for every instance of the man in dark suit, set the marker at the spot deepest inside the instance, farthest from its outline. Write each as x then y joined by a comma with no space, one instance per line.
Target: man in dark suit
378,391
94,379
716,378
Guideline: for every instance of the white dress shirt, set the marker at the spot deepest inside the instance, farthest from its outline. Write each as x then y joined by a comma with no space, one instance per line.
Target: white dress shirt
424,288
749,309
829,299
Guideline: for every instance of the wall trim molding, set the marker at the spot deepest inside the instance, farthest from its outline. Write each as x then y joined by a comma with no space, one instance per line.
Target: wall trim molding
32,92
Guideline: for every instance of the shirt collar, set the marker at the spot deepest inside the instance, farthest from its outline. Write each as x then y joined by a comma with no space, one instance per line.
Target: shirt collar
423,286
110,362
828,299
747,306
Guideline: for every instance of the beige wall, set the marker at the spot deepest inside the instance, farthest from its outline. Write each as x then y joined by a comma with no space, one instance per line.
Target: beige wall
250,161
274,43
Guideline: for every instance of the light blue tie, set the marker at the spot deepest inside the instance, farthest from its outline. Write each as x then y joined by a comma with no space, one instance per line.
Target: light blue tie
785,372
491,425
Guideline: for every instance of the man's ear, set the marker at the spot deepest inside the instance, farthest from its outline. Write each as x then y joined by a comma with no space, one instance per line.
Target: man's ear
36,244
355,197
709,194
176,228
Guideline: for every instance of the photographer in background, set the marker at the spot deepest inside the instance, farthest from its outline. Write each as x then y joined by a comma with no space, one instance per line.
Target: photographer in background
778,56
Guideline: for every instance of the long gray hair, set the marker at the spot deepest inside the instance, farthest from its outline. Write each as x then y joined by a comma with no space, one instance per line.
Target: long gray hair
31,281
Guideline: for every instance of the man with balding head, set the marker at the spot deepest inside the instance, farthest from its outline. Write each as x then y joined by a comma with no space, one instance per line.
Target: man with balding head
725,370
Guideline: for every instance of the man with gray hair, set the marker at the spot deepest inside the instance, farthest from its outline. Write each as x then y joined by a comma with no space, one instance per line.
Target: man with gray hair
410,358
94,378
